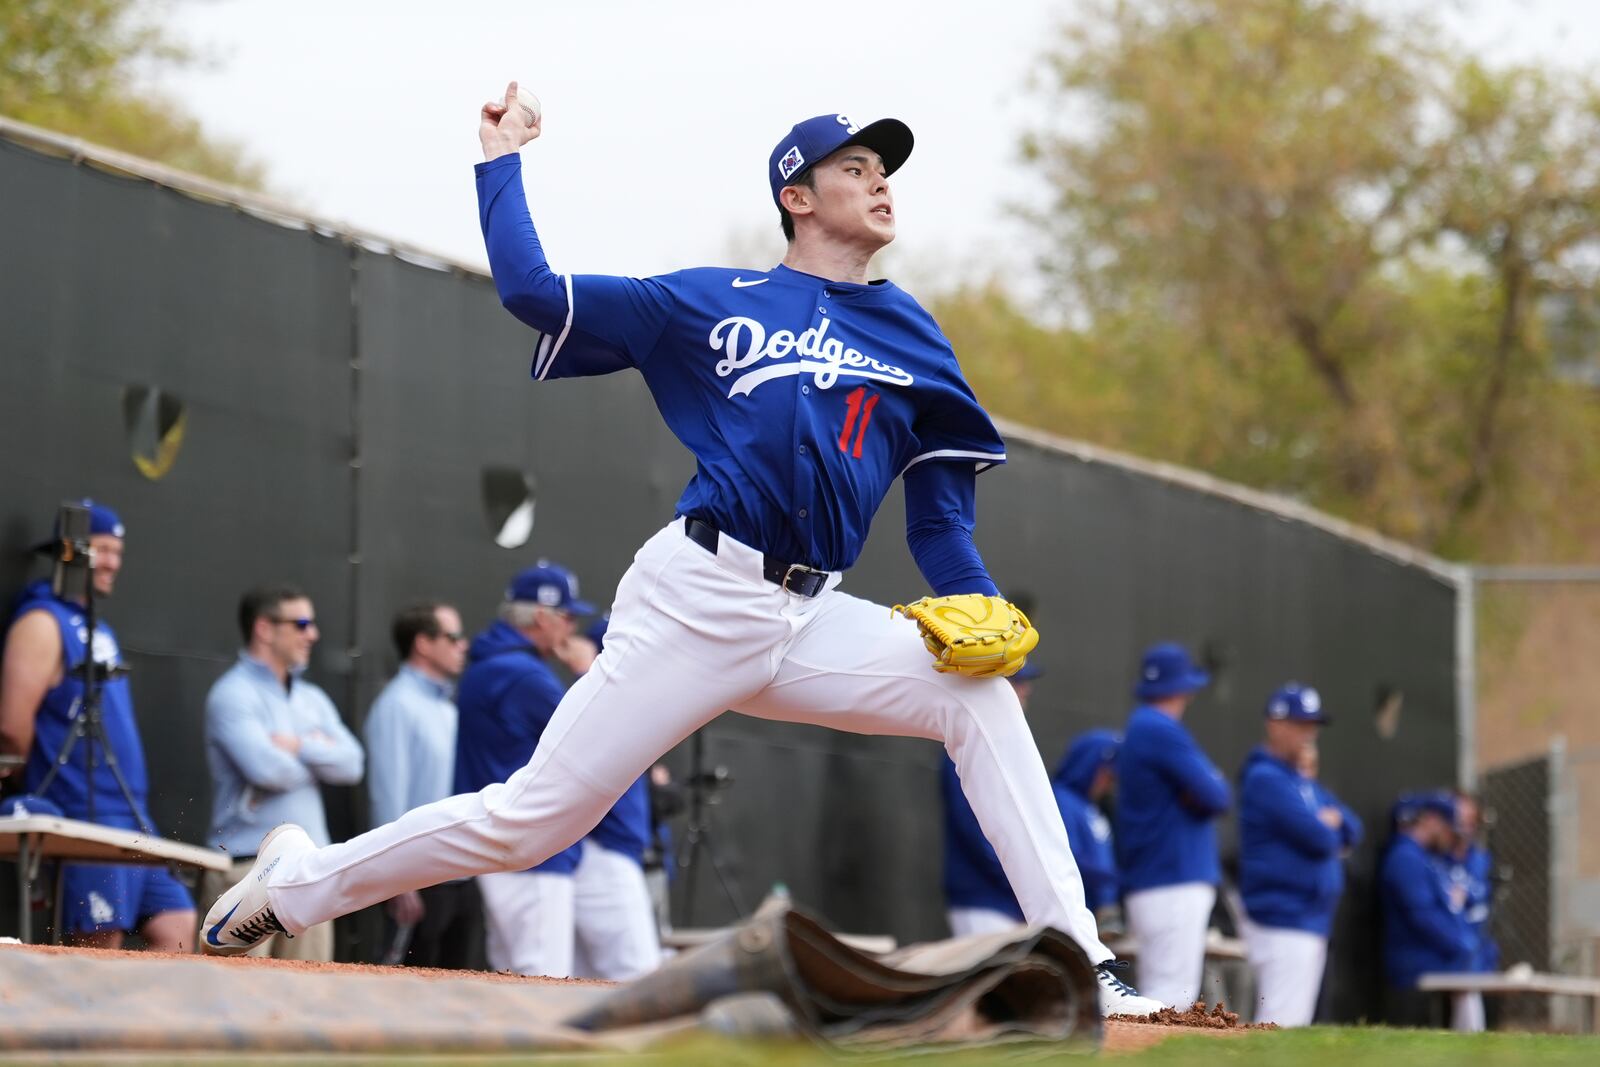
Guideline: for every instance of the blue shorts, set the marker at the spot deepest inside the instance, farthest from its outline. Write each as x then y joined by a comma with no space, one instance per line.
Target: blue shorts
96,898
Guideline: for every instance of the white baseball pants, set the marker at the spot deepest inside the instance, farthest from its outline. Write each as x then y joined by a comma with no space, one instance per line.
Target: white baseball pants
615,917
692,634
528,922
1288,967
970,922
1169,923
1467,1013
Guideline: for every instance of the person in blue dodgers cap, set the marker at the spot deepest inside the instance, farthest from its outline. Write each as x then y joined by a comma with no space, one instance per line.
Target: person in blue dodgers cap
1424,930
1169,796
41,690
1293,836
978,897
1470,870
506,697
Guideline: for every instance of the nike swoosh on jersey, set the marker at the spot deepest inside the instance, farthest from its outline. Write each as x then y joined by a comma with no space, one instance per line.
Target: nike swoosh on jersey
740,283
211,935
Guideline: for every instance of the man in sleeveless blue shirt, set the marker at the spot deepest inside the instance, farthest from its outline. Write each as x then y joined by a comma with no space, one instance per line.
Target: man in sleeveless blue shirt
803,392
41,690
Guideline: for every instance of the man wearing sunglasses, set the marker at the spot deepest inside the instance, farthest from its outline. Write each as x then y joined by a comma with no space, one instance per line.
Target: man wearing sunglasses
411,761
272,740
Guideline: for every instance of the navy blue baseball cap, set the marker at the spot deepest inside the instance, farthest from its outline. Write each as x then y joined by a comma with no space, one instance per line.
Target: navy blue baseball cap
102,520
1296,703
551,585
1411,805
1168,671
815,139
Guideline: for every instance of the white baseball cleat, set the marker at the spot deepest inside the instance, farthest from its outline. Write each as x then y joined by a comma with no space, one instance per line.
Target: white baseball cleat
242,917
1118,997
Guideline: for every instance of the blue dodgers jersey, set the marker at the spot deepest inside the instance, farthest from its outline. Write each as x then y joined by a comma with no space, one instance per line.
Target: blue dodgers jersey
802,399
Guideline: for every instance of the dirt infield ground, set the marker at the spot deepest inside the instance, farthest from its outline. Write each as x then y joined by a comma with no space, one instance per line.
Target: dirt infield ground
1121,1036
146,1020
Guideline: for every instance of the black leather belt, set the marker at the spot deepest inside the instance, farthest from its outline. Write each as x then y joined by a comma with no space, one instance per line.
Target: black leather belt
794,578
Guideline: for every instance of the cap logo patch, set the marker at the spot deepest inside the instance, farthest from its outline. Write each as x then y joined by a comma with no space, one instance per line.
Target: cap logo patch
849,127
549,596
792,161
1279,709
1310,701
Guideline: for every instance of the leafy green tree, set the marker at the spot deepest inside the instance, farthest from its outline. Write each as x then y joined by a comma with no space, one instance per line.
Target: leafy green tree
80,67
1311,245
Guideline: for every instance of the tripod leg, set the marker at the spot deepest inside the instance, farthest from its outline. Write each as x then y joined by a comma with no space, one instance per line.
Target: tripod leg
122,783
24,890
687,864
728,889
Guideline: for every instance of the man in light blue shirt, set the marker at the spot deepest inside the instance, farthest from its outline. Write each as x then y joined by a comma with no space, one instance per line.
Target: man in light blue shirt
411,758
272,740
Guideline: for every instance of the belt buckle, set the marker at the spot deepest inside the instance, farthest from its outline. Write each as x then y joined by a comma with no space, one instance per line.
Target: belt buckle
788,574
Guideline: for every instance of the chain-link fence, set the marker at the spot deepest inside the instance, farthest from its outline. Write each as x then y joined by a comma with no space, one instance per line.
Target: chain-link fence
1543,818
1575,870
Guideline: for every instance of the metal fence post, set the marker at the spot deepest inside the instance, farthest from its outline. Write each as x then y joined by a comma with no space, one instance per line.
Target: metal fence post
1467,678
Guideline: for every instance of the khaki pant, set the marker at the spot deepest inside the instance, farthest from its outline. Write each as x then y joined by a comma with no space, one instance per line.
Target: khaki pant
315,944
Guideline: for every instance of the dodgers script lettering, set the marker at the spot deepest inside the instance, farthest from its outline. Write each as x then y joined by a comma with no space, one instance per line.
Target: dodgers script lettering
747,344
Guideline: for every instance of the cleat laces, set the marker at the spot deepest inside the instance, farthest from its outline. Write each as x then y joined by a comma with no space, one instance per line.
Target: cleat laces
1113,981
256,927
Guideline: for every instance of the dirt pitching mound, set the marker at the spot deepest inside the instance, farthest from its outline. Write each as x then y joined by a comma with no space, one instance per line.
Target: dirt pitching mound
1130,1033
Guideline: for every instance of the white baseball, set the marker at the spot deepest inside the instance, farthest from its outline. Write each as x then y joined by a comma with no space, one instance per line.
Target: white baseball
530,104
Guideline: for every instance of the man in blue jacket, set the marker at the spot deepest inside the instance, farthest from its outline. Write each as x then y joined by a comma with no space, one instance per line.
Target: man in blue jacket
1168,798
1293,836
506,698
1422,931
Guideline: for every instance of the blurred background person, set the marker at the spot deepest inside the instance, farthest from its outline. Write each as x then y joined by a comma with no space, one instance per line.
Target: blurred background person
410,734
1169,796
1085,780
1293,837
273,740
506,697
41,693
1423,930
1470,871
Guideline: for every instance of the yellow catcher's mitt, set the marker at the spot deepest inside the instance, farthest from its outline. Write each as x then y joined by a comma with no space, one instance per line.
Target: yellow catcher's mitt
973,634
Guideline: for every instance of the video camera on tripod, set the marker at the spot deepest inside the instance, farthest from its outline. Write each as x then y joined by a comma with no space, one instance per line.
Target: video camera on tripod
73,579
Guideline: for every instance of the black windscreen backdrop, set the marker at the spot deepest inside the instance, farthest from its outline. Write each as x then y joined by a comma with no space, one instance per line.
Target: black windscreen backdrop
345,411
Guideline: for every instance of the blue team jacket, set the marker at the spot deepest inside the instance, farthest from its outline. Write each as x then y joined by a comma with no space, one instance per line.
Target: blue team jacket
1291,873
1471,874
1421,933
1168,796
505,699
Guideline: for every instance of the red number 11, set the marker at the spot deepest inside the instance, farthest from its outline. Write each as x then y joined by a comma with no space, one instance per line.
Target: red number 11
857,403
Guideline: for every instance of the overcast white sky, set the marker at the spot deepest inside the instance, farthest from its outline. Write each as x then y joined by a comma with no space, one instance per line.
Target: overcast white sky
659,116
